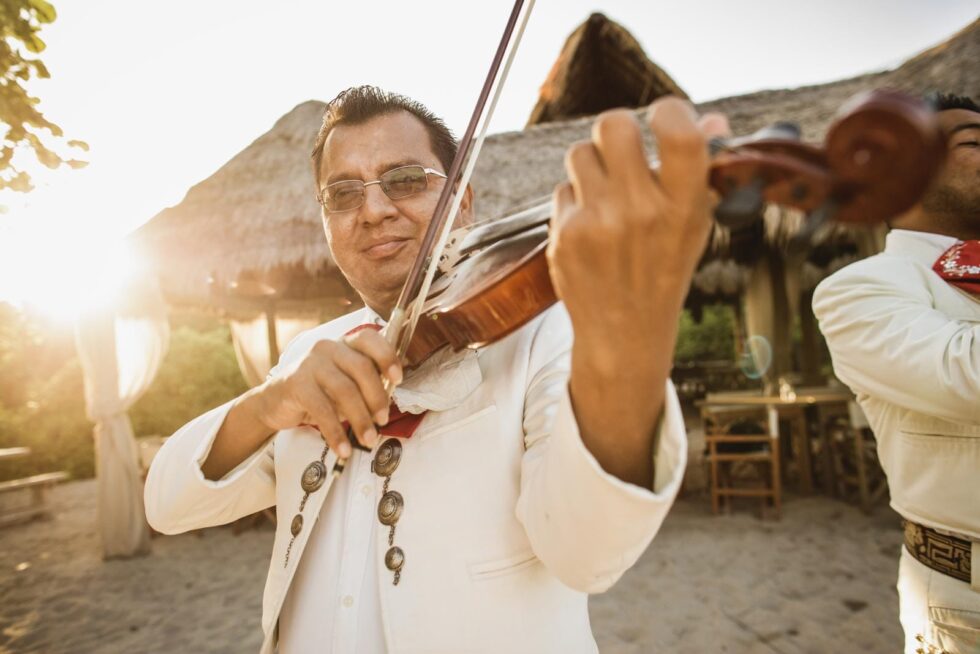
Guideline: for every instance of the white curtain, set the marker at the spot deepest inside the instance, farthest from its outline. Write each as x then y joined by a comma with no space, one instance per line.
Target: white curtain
120,356
251,338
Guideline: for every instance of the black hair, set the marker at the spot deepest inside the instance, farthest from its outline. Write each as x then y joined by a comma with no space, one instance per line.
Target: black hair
359,104
947,101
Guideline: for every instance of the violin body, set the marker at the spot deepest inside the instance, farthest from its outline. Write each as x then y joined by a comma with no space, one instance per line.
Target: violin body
486,297
877,160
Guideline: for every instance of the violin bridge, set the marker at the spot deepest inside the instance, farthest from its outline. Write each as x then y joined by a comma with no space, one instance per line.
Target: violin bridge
450,254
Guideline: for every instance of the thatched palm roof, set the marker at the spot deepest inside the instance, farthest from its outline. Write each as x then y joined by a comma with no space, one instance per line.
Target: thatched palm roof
256,215
517,167
601,66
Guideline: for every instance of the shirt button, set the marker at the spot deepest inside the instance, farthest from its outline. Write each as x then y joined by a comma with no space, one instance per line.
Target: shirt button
348,601
366,489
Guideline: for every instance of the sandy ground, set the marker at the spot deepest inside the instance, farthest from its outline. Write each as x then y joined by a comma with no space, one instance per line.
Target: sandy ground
819,580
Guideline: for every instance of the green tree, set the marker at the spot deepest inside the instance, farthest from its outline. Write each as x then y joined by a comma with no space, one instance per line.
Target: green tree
199,373
711,339
23,125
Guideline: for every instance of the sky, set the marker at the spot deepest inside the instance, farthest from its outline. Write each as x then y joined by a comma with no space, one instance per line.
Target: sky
166,92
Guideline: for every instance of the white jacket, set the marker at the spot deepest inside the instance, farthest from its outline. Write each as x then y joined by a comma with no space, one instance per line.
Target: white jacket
908,344
511,520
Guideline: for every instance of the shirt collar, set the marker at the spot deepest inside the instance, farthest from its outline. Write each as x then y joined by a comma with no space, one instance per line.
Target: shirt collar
372,317
441,383
924,247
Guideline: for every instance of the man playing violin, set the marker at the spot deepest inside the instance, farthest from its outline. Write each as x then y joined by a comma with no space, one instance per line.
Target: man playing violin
904,331
543,464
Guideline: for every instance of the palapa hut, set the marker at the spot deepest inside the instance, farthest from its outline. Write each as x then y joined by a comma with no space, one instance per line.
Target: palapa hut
248,241
600,66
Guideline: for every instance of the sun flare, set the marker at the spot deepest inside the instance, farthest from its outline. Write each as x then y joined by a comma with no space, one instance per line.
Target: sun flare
61,275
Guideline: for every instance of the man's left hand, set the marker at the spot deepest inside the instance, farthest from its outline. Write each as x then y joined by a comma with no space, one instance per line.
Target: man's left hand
624,245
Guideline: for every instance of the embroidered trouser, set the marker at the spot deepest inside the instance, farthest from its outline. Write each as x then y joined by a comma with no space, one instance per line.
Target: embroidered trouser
938,613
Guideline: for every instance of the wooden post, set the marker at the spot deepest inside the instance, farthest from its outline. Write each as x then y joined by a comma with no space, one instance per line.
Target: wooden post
270,325
809,342
781,323
738,326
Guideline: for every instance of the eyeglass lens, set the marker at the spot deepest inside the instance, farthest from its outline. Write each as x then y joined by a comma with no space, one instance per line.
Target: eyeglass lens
396,184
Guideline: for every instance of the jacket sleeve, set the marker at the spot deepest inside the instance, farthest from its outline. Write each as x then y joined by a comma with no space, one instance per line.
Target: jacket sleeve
177,495
887,339
588,527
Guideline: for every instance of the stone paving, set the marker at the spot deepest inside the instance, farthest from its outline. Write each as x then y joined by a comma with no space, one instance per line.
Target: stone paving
819,580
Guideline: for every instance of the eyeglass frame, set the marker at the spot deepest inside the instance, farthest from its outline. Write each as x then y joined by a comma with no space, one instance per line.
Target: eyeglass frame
428,171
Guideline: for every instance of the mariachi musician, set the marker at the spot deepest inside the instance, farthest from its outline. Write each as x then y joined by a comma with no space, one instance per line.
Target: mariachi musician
903,328
542,465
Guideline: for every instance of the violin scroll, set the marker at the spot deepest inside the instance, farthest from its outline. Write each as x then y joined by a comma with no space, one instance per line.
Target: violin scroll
883,152
876,162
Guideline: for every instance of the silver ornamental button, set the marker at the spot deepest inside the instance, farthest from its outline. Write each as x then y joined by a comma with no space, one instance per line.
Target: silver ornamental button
394,559
296,525
313,477
390,507
387,458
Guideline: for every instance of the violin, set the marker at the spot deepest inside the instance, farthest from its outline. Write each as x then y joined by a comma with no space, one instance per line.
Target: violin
877,160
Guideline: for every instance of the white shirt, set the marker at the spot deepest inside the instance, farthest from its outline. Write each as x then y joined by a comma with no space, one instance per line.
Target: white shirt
509,521
908,344
333,603
938,242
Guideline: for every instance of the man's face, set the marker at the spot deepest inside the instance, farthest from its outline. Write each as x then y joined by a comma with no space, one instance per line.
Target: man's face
376,244
955,193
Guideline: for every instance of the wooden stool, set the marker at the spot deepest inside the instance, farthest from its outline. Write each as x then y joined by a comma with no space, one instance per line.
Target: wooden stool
727,447
857,472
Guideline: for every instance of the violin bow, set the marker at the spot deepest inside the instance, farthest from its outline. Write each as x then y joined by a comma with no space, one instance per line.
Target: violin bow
404,318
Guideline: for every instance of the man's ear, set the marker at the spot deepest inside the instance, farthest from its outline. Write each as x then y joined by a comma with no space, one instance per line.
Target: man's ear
467,214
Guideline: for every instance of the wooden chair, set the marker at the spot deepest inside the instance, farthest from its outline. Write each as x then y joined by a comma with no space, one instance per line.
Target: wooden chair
858,476
735,436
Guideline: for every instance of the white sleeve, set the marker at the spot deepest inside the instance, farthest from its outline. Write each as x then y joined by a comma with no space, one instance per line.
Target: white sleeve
177,495
887,340
588,527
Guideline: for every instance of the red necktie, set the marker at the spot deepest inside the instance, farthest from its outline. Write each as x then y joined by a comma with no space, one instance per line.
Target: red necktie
399,424
960,266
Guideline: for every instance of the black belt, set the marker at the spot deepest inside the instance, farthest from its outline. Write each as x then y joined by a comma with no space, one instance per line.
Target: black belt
946,554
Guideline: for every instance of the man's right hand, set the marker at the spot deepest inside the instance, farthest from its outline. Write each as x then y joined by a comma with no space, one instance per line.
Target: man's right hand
336,381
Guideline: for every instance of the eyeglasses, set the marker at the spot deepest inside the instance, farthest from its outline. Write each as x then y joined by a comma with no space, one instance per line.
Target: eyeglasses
397,183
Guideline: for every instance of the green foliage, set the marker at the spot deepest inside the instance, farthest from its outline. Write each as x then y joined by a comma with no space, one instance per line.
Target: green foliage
710,340
41,396
42,404
22,122
199,373
54,427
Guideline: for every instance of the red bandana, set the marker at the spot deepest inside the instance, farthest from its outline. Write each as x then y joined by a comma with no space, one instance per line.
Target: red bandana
960,266
400,424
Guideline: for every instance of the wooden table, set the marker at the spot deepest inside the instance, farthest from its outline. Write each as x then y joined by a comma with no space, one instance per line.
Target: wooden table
792,409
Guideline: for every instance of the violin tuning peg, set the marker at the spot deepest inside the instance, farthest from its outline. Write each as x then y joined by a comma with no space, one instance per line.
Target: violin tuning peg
741,207
782,129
